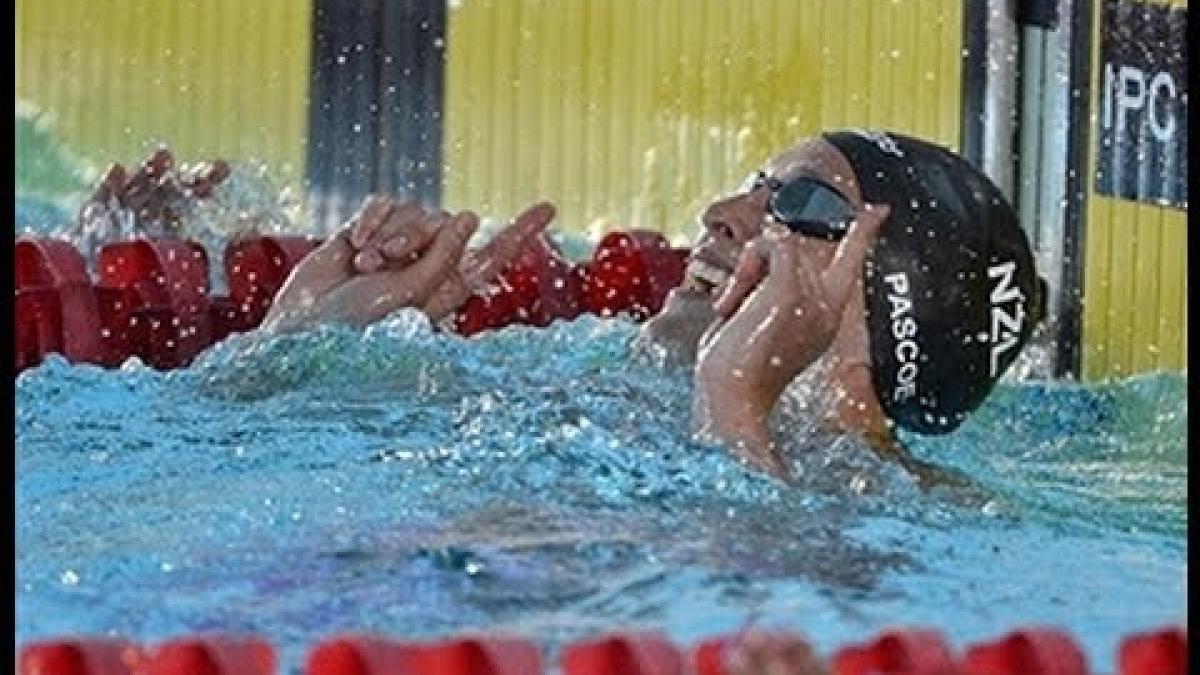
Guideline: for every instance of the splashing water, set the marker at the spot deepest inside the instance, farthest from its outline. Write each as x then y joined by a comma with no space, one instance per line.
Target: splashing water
542,481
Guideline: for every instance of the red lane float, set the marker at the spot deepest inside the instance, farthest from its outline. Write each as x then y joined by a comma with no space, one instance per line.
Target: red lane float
1161,652
82,337
164,340
546,283
256,267
625,653
152,301
711,656
356,655
80,657
38,329
226,318
537,288
168,321
165,272
55,311
900,652
632,272
66,320
41,262
372,655
1028,651
116,307
211,656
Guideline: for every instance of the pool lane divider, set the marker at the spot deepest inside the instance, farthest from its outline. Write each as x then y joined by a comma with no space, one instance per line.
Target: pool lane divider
1047,651
1161,651
908,651
150,297
634,653
368,655
184,656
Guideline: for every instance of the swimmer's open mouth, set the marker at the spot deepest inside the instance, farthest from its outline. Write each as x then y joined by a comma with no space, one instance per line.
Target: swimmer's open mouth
704,276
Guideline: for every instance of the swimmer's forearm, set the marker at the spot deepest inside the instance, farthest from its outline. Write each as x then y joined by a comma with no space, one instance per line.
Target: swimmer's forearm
289,312
736,417
755,447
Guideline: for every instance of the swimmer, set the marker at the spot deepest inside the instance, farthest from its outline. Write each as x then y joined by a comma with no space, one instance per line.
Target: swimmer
886,265
150,202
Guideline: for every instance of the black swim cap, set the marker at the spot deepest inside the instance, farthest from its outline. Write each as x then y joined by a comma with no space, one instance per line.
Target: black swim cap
951,291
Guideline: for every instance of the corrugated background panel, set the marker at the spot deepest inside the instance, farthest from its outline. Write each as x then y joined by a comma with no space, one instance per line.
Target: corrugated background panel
211,78
1135,277
634,113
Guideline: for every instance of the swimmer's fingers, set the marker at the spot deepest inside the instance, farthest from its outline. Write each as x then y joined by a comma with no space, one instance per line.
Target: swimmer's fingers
488,262
376,209
367,298
845,271
750,270
144,192
318,272
203,179
405,233
445,252
151,171
772,260
370,217
447,298
110,188
400,247
111,185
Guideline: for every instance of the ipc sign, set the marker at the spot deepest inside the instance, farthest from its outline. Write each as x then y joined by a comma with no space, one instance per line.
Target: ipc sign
1142,120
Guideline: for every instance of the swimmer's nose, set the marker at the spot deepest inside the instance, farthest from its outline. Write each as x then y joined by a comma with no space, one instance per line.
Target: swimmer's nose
736,219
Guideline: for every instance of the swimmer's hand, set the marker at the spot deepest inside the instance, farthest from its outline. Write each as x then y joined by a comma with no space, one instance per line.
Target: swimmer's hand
155,196
397,241
392,255
778,314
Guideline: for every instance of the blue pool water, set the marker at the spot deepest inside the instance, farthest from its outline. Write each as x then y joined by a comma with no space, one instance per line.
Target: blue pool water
544,482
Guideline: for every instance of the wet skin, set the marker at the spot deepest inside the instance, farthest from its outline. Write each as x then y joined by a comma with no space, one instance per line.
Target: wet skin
758,306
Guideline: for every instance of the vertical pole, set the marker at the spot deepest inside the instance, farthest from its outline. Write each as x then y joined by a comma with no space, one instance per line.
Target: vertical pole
1047,47
1078,139
1000,106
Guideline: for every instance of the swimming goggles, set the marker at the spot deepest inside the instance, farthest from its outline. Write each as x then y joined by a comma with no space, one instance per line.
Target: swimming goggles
807,206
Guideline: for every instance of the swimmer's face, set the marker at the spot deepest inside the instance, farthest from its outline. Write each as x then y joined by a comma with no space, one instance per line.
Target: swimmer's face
728,224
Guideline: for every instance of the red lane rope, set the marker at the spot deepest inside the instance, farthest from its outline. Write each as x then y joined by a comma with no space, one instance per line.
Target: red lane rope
909,651
150,297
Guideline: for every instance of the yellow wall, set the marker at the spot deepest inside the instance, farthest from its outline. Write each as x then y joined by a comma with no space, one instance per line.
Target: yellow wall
212,78
1135,280
632,113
